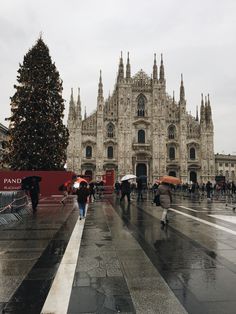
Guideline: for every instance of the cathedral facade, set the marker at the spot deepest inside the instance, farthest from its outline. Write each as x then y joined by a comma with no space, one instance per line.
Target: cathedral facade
139,129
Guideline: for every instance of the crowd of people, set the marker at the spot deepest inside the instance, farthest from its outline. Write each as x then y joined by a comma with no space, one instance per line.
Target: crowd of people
208,189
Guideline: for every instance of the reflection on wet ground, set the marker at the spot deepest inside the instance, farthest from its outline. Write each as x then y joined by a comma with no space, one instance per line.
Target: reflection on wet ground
123,258
99,285
31,255
192,257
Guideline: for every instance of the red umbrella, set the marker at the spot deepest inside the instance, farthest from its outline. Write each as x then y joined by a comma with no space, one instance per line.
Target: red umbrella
81,180
171,180
78,181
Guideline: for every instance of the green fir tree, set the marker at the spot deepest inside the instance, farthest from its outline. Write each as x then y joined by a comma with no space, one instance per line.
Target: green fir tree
38,137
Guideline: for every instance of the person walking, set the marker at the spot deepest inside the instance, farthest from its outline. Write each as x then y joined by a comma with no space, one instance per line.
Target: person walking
91,192
125,190
208,190
34,191
82,198
164,190
140,189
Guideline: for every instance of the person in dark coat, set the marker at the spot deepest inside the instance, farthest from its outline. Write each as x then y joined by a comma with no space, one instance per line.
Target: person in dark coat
117,188
164,190
125,190
34,191
140,189
208,190
82,197
91,192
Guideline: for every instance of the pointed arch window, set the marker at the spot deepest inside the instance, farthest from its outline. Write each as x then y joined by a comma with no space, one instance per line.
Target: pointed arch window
172,153
109,152
110,130
141,106
192,153
171,132
141,136
88,151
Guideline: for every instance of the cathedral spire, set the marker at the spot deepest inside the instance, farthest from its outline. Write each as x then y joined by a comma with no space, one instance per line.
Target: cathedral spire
202,110
173,98
78,107
128,70
154,72
71,106
209,108
100,87
182,92
121,68
197,119
85,113
162,72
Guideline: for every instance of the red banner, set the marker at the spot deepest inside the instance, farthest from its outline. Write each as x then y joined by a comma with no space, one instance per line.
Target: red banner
51,180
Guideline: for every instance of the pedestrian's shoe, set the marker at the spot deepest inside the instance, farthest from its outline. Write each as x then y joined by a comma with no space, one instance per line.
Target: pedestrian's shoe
163,223
80,218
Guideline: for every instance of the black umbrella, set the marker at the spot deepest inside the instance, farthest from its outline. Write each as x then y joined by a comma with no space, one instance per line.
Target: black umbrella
27,181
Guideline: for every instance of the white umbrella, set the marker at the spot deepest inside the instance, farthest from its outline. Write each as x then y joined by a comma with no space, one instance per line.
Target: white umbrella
128,177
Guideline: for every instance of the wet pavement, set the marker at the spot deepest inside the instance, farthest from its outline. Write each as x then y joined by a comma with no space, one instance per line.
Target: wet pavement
30,253
127,263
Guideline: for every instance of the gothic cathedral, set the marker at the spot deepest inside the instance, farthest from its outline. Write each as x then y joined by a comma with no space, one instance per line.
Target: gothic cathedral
141,130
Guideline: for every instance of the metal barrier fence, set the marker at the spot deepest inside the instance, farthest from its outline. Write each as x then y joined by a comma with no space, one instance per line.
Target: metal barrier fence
12,201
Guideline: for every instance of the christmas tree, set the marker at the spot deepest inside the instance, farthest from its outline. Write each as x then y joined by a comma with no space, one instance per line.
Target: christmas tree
38,138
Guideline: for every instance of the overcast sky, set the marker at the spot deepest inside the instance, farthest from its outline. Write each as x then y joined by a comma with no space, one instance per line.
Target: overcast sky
197,38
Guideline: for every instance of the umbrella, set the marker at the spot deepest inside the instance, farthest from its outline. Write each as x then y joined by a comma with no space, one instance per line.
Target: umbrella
128,177
170,179
27,181
78,181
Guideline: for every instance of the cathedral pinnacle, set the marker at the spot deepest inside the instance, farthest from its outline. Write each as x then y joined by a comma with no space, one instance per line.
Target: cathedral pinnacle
100,87
208,108
182,92
162,72
202,111
121,68
154,72
71,95
128,71
197,119
71,115
173,99
78,108
85,113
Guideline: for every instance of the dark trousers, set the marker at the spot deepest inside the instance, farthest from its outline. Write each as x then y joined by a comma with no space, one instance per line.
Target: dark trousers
123,195
140,195
34,200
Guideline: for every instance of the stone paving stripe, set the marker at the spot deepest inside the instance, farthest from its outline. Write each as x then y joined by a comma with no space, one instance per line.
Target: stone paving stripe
205,222
59,295
227,218
149,291
192,210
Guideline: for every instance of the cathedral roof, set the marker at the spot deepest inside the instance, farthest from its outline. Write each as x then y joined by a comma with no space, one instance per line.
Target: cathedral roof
141,76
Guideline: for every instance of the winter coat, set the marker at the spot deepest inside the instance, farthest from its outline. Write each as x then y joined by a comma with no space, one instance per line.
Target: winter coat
82,195
125,187
164,191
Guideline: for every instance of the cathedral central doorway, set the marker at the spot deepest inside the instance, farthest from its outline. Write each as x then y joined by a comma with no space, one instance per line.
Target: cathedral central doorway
193,176
141,170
